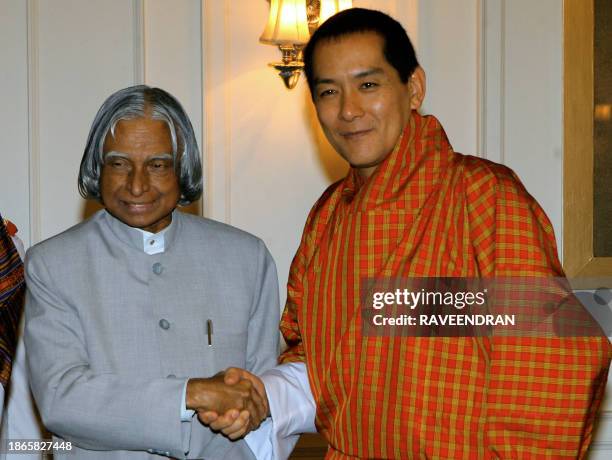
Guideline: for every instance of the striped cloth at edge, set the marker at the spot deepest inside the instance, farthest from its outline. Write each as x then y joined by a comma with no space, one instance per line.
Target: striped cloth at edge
12,291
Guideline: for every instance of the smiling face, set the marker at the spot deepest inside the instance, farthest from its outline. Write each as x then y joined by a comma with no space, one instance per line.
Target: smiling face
361,103
138,184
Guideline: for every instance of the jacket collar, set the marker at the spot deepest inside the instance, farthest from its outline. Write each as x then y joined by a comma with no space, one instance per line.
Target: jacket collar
133,236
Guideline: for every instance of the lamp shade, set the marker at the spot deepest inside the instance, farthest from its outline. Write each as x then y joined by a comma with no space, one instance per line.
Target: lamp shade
287,23
331,7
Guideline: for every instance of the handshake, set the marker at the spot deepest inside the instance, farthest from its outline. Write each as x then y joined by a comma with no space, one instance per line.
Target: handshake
233,402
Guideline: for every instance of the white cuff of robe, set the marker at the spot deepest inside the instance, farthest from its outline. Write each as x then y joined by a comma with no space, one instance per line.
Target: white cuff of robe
292,408
186,414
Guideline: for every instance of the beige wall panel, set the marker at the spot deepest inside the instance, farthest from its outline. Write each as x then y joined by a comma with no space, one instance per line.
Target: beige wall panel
14,164
533,99
448,52
173,53
85,52
268,162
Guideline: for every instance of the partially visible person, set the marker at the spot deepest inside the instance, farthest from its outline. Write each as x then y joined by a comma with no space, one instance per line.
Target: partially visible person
20,419
411,207
131,314
12,289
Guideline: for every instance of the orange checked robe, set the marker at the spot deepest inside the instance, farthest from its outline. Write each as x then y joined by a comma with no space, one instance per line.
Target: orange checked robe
430,212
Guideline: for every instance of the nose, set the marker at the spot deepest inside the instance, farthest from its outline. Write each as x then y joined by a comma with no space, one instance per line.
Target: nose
350,108
138,181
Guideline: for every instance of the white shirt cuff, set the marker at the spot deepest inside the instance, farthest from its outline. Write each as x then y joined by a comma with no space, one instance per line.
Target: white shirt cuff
292,408
260,441
186,414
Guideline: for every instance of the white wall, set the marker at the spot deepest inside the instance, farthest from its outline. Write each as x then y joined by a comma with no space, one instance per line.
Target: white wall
14,149
494,78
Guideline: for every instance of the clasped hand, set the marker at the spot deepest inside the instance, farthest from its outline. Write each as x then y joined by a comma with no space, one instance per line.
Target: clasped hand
233,402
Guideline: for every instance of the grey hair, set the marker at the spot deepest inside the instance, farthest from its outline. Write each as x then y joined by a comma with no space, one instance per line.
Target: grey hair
137,102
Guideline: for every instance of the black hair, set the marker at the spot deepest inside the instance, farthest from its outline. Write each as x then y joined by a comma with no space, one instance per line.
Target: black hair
397,48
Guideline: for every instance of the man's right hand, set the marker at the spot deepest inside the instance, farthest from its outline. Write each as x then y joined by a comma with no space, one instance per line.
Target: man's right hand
239,402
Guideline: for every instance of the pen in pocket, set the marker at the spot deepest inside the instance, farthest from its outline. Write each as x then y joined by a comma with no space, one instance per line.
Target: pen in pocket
209,331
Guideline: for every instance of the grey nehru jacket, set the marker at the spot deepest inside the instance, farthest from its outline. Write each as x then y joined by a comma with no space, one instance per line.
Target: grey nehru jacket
112,333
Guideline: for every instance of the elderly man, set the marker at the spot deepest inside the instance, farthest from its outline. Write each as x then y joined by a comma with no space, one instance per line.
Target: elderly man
410,207
130,314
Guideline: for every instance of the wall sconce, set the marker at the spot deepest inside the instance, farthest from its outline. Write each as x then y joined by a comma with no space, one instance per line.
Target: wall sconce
290,24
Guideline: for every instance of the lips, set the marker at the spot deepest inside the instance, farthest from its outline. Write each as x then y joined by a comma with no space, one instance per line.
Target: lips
353,135
138,208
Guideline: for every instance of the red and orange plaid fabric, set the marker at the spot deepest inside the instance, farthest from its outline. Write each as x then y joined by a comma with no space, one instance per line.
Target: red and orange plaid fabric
12,291
430,212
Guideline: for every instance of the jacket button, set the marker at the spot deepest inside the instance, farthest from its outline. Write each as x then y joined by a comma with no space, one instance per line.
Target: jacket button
164,324
171,376
158,268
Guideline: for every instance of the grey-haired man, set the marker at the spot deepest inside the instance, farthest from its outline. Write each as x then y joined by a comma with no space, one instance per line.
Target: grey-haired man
130,314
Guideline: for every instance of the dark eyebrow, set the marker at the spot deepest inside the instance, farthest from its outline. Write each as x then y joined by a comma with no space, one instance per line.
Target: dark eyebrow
358,75
367,73
322,81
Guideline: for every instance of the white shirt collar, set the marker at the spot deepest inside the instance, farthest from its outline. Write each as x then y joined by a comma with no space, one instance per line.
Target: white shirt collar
153,243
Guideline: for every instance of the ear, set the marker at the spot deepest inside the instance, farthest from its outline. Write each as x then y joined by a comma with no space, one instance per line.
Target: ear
417,87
